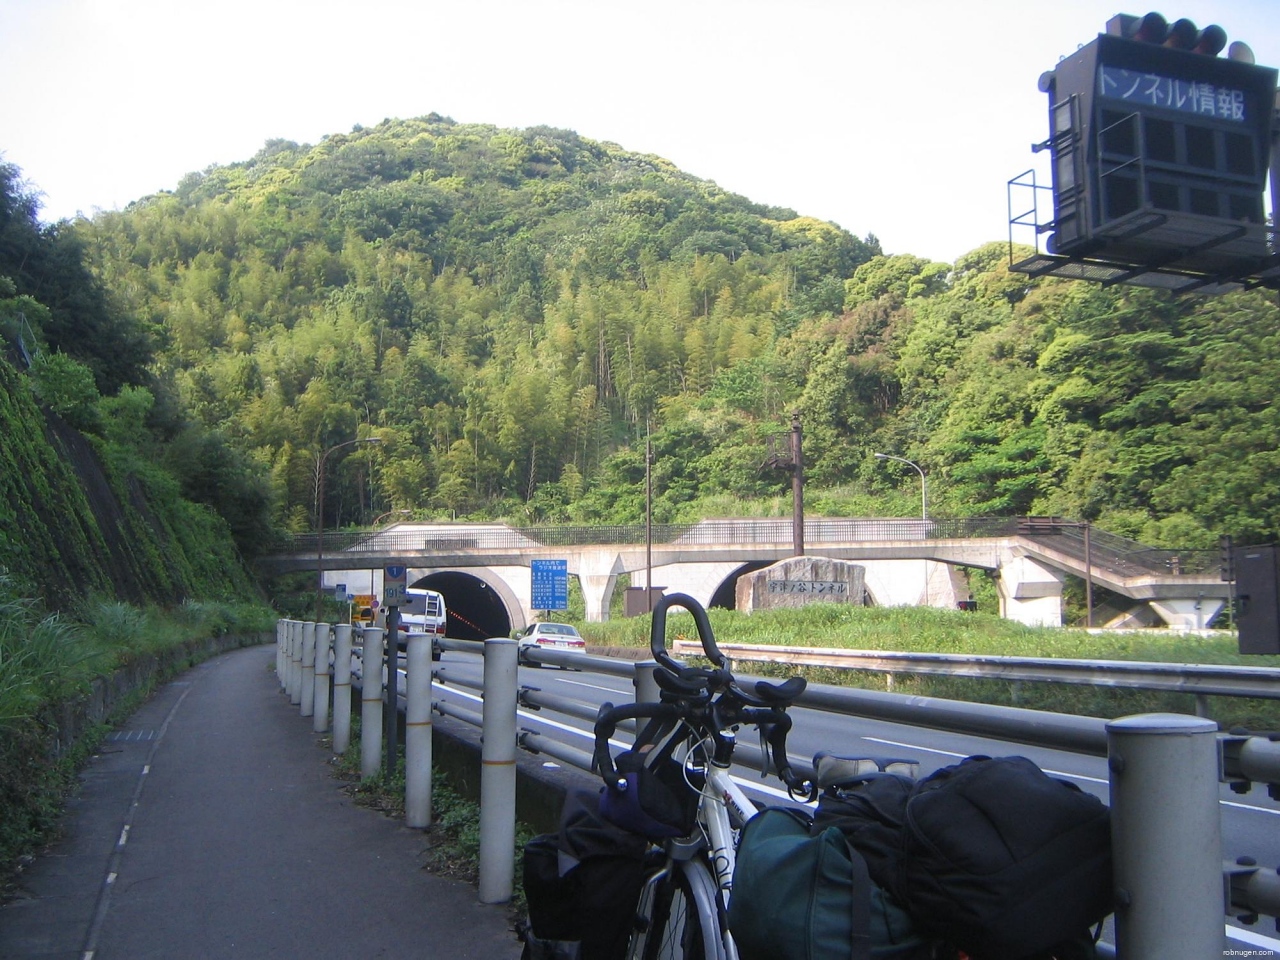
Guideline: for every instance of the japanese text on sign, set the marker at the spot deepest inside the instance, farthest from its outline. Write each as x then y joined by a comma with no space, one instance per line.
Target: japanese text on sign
1187,96
828,587
550,581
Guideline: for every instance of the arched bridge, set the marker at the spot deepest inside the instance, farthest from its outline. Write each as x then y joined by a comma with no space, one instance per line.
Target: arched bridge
907,561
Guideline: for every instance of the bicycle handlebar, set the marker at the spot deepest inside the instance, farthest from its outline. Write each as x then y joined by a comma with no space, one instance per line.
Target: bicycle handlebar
658,631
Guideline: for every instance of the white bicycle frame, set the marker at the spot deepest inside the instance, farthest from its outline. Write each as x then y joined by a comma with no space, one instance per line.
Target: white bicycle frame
720,795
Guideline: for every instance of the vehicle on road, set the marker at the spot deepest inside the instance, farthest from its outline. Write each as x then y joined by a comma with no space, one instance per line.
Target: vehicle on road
550,636
423,612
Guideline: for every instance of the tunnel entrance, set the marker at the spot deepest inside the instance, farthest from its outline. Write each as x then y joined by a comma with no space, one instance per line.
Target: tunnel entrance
726,594
475,611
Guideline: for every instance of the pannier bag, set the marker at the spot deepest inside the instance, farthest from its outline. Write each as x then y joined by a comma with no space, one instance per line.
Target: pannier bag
798,896
582,885
657,797
1005,861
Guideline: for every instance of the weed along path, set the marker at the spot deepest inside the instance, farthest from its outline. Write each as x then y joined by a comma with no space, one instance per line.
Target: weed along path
209,826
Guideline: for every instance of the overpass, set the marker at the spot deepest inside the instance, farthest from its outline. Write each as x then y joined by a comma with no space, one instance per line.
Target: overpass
484,568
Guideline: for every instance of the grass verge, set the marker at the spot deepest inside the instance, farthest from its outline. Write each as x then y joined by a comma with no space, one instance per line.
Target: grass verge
452,840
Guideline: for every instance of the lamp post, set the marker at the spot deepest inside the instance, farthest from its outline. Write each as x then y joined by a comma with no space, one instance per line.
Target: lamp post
374,525
320,516
924,488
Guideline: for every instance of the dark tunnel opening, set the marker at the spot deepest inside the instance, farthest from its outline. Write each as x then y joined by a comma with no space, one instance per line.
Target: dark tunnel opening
726,594
475,610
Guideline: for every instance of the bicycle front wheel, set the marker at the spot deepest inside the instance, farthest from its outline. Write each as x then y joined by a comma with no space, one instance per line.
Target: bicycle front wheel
679,916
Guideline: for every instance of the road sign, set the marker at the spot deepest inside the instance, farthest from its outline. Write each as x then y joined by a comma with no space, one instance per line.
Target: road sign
550,584
394,591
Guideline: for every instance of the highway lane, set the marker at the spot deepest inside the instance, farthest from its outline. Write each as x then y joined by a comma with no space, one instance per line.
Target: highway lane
1250,823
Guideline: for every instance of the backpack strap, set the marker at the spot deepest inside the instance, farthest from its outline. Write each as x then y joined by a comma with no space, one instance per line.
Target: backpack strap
859,904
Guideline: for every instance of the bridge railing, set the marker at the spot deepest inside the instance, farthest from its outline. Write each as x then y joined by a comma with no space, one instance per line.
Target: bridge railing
1125,556
1173,889
445,537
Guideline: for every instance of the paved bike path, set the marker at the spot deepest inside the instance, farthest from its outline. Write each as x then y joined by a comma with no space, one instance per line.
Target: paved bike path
210,826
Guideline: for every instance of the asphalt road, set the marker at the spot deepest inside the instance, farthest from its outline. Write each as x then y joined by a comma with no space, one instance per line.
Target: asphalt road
210,827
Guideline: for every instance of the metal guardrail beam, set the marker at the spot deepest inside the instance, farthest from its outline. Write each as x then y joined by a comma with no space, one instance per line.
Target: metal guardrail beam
1145,754
1200,679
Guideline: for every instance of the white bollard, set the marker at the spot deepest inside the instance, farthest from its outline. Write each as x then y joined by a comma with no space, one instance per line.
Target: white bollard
371,704
282,631
498,773
341,688
307,694
320,717
417,733
1166,837
295,665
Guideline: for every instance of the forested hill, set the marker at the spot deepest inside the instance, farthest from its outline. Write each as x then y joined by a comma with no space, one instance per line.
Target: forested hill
512,312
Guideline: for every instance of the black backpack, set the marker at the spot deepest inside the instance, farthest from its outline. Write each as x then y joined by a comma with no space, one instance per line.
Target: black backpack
992,855
582,885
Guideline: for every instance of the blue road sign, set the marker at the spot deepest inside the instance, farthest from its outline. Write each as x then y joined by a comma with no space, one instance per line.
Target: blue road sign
393,585
550,584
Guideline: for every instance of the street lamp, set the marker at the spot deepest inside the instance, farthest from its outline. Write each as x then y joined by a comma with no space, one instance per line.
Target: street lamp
374,525
924,489
320,516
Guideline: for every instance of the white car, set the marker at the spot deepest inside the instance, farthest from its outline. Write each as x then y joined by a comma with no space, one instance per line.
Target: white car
551,636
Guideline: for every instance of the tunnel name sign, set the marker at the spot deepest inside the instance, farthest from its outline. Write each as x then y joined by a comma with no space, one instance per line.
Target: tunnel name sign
836,587
550,584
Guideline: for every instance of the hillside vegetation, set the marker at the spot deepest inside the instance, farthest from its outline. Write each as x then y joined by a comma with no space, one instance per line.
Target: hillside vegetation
513,311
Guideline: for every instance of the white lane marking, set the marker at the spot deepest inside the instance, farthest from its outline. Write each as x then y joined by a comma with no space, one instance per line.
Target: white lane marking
1250,807
579,683
951,753
124,836
534,715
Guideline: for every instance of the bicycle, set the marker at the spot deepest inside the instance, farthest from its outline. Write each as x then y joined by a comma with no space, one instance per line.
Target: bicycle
682,911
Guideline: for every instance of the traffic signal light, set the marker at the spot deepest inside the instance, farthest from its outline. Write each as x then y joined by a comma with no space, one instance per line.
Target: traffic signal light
1160,153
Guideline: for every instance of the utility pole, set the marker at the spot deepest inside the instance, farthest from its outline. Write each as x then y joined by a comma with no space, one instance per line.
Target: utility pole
797,487
794,462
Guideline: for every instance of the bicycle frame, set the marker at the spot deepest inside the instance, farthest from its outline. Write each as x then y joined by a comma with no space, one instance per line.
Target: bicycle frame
708,857
720,796
703,708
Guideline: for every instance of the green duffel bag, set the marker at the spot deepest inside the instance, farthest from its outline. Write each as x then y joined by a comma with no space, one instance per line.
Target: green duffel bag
802,897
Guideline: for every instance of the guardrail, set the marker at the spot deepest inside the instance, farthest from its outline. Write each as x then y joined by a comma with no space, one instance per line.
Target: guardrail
1202,680
1172,887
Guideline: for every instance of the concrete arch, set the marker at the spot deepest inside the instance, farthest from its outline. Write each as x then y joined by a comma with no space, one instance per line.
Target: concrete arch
481,603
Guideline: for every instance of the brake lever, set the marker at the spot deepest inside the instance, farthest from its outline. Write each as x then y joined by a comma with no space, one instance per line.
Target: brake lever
766,761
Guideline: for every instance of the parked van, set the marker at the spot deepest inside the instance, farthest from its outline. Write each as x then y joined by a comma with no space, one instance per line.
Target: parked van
424,612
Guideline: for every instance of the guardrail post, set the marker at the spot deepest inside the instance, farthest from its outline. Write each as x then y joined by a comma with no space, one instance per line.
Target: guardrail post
307,694
324,640
1166,837
282,634
647,689
417,733
371,704
341,688
295,665
498,773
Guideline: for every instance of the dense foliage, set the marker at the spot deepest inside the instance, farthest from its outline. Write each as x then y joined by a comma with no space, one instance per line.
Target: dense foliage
87,505
513,312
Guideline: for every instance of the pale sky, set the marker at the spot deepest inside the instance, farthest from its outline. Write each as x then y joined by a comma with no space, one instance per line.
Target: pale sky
902,118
